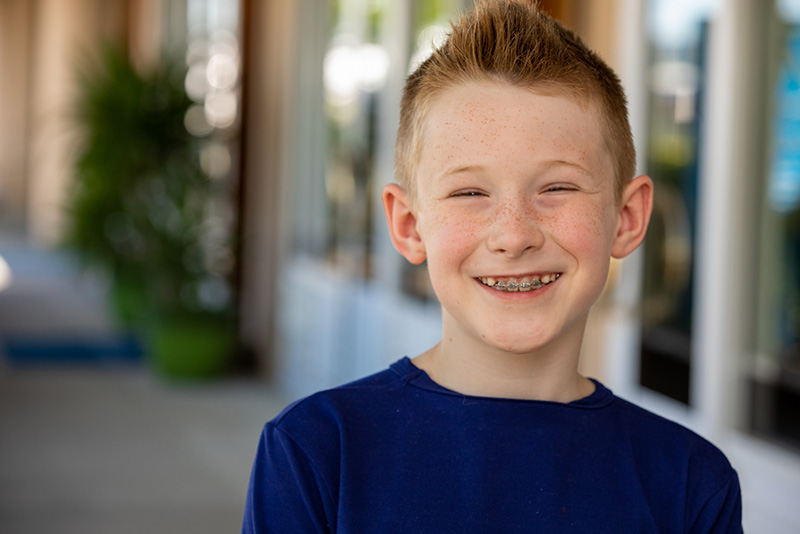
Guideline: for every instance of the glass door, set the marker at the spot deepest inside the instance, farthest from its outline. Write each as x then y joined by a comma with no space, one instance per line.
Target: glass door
773,373
674,80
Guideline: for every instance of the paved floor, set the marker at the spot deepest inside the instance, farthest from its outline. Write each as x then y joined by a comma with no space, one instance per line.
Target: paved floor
116,450
105,446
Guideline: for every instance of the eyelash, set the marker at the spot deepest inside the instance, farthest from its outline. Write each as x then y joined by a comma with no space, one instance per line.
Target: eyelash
468,193
557,188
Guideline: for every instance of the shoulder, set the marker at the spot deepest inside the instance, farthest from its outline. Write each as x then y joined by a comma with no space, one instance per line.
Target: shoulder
326,411
314,431
678,470
669,455
667,439
295,481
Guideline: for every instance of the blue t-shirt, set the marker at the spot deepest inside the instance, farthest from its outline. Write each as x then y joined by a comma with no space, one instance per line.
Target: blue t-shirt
396,452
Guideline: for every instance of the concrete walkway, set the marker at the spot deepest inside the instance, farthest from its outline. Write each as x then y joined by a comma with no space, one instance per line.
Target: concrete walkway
115,450
105,446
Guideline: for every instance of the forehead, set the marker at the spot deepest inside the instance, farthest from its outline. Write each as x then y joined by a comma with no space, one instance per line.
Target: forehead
491,123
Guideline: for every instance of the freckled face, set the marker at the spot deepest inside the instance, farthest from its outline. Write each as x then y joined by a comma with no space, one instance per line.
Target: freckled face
514,185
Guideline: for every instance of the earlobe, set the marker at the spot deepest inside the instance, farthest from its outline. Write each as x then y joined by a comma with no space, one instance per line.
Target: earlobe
634,216
402,223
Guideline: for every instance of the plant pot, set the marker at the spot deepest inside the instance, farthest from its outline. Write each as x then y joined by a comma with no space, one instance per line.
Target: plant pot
191,347
127,302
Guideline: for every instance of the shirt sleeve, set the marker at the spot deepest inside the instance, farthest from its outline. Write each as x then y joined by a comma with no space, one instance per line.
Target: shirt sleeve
722,513
286,493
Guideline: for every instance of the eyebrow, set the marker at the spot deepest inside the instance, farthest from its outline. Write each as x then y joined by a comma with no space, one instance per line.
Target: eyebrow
547,165
460,169
565,163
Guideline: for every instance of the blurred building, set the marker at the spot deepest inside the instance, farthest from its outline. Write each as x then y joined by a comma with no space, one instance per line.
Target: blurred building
300,98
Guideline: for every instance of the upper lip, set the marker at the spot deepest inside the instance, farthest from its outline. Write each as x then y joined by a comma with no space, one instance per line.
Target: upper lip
538,274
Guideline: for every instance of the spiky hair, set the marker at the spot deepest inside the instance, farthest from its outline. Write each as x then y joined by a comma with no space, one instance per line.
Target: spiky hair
513,42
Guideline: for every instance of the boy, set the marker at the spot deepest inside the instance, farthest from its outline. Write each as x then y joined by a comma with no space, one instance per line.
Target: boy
515,166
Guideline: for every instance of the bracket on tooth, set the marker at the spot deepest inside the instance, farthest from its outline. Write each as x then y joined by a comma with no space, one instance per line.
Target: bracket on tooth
517,286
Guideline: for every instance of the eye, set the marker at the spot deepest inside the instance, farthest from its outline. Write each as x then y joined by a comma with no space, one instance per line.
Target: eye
468,193
559,188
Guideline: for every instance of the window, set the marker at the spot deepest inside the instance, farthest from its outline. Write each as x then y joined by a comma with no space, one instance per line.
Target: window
675,75
775,370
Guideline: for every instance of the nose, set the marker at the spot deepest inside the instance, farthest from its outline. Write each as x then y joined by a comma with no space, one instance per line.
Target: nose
514,230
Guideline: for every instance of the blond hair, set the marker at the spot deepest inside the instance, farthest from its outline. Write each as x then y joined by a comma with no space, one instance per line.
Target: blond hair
514,42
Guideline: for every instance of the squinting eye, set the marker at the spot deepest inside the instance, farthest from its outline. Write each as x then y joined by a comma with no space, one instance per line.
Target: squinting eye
468,193
559,188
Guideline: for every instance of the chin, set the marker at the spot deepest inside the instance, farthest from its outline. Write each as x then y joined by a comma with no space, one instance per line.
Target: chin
516,346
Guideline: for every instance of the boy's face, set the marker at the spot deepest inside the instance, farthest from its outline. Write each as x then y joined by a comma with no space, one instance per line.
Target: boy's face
514,189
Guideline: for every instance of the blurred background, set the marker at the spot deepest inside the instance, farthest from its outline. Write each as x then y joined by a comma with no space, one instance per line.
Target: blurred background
191,237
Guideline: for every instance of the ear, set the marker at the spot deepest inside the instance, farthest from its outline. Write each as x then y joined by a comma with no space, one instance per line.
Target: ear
635,207
403,224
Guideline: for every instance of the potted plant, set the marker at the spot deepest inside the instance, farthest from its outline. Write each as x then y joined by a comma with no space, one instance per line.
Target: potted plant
139,212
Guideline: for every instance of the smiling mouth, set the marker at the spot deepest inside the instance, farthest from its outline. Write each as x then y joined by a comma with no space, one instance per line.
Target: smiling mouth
513,284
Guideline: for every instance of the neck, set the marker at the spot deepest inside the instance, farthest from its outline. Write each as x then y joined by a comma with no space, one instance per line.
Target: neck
549,373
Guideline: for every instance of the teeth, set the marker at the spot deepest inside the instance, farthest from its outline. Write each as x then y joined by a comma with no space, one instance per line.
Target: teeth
512,284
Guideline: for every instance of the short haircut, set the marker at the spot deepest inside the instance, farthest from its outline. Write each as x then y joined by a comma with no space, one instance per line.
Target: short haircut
514,42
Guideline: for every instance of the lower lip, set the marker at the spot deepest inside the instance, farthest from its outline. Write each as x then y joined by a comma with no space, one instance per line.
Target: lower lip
519,295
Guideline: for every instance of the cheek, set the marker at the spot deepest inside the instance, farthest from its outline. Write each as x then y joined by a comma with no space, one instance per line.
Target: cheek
451,235
586,235
586,228
450,245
